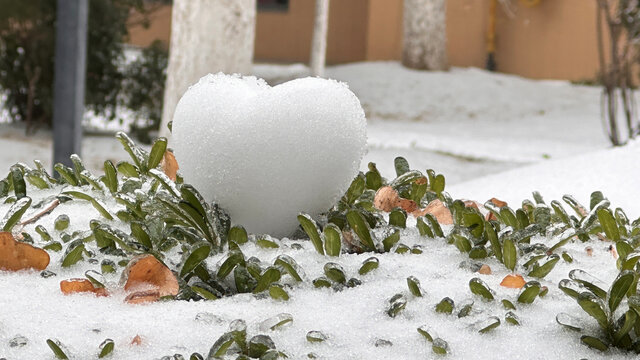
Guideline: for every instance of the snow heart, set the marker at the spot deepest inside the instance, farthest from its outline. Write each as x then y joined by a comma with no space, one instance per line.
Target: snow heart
267,153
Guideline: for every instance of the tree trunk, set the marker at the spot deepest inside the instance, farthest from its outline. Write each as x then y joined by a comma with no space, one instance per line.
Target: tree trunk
425,38
319,43
207,36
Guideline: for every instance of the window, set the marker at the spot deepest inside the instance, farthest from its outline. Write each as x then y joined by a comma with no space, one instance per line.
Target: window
273,5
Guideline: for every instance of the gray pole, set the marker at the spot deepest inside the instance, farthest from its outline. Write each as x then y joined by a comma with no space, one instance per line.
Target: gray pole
69,78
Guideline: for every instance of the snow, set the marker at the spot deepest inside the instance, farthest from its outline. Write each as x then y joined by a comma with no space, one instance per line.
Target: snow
301,142
516,124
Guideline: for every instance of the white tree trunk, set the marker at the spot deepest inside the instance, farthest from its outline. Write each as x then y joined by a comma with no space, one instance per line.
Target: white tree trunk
425,37
207,36
319,42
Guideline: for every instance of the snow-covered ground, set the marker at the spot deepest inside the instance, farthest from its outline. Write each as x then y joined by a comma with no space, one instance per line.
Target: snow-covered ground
490,134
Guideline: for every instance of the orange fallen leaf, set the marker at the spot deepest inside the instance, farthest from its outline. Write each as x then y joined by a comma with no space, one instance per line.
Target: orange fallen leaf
16,256
471,204
137,340
439,210
485,269
386,199
75,286
146,274
513,281
169,165
498,203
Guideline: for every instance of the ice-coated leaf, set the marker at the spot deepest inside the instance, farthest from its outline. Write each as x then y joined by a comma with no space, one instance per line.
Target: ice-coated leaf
461,242
355,189
92,200
157,153
478,287
289,265
426,332
220,347
609,224
398,217
630,319
511,318
106,348
57,348
276,322
487,325
509,254
268,277
569,322
396,304
332,240
361,228
595,307
423,228
199,252
439,346
315,336
619,288
401,165
15,213
277,292
235,258
590,282
390,241
414,286
544,269
369,265
238,235
445,305
335,272
259,345
529,292
73,254
313,231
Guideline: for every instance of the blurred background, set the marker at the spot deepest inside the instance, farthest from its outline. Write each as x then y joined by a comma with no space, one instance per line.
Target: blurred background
467,87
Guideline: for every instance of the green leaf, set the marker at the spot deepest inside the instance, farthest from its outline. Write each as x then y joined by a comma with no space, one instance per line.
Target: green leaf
424,331
266,242
94,202
445,306
110,176
560,212
474,222
139,233
508,304
235,258
245,283
127,169
268,277
619,289
277,292
238,235
490,234
311,228
355,189
332,240
373,178
437,230
396,304
630,319
157,153
439,346
509,254
488,324
438,184
461,242
414,286
335,272
73,254
479,287
423,228
136,154
66,174
15,213
542,270
391,240
511,318
369,265
609,225
594,343
220,347
509,218
106,348
289,265
361,228
401,165
19,186
398,217
56,347
321,282
596,198
594,306
529,292
199,252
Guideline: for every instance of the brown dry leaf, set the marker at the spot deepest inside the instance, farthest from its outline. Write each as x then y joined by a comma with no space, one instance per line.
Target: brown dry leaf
437,209
386,199
471,204
16,256
613,251
498,203
513,281
485,269
137,340
589,251
169,165
75,286
146,273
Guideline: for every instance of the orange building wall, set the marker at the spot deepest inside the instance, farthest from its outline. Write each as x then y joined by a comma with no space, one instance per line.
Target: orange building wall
556,39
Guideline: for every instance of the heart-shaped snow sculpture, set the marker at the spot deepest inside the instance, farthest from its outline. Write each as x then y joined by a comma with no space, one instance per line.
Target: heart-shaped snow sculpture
267,153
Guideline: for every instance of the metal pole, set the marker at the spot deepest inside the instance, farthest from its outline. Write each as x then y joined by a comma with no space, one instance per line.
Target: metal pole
69,78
